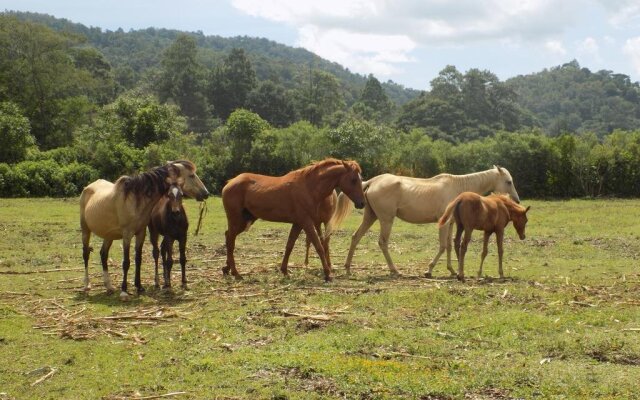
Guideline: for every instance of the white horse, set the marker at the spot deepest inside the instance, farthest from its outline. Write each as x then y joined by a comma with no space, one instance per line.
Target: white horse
419,201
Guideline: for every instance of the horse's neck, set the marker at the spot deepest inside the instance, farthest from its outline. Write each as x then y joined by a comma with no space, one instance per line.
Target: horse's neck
325,181
479,182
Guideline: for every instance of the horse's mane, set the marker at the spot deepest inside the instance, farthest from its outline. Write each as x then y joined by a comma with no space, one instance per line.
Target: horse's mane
152,182
348,164
508,201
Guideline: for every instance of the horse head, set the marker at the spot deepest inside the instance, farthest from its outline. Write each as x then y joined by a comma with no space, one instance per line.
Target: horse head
185,172
175,196
504,184
519,218
351,183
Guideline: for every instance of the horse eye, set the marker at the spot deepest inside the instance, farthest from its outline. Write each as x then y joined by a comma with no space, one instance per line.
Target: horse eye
509,183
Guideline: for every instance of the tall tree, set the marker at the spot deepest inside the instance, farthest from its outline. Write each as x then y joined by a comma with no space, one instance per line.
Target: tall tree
38,72
272,103
374,102
231,82
319,97
182,80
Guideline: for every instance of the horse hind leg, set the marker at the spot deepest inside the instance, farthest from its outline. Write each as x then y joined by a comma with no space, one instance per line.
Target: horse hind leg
445,243
291,241
138,259
463,251
230,239
86,251
104,260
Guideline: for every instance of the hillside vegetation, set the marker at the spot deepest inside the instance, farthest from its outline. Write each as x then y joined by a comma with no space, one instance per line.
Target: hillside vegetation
77,103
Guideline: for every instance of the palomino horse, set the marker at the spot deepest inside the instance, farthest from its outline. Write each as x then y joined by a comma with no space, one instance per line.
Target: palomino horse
169,219
326,210
490,214
420,201
293,198
121,210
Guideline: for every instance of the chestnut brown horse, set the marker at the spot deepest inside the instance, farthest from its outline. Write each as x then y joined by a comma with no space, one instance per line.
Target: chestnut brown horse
293,198
490,214
169,219
121,210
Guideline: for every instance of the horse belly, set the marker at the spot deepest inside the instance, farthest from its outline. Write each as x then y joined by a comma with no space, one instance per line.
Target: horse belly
101,217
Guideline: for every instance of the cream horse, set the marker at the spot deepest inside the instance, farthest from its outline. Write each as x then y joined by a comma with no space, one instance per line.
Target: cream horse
419,201
122,210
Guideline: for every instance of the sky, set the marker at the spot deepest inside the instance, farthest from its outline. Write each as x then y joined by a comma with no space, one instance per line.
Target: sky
406,41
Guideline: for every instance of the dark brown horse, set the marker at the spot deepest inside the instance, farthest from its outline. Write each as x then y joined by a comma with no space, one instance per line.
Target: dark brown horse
122,210
293,198
490,214
169,219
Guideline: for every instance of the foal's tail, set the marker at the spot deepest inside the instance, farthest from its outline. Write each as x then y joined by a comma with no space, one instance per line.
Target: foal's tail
449,213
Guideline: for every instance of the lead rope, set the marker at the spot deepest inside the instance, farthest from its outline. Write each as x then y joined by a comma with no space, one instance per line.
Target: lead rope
203,212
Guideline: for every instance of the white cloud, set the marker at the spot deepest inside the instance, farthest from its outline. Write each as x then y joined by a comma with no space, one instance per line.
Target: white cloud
622,12
589,47
632,50
379,35
555,47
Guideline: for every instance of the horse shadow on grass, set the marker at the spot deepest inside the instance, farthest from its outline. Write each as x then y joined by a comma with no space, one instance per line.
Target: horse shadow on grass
169,297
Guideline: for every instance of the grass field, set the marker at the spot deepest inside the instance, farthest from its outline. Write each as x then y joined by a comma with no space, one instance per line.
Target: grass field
564,324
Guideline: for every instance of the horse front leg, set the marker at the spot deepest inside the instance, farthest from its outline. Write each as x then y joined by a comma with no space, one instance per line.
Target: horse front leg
126,262
499,240
310,230
485,251
368,219
104,260
182,246
167,260
383,242
291,241
138,258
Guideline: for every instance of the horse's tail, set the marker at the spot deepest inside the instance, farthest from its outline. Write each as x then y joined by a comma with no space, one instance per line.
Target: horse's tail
343,208
449,213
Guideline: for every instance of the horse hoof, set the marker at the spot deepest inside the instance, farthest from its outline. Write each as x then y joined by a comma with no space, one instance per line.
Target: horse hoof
124,296
238,277
110,291
328,279
185,287
461,278
225,270
428,275
87,288
140,289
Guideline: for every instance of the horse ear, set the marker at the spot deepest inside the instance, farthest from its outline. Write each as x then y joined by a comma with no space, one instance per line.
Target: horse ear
498,168
527,209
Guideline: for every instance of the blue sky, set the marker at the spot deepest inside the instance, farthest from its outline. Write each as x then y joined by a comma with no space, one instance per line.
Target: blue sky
407,41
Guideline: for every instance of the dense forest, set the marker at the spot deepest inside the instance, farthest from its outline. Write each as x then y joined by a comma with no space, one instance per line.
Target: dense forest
77,103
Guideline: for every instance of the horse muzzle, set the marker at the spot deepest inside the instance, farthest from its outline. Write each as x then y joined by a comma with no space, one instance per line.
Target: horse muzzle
203,195
359,205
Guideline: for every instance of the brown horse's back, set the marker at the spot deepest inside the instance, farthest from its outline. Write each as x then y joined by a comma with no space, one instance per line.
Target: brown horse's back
259,196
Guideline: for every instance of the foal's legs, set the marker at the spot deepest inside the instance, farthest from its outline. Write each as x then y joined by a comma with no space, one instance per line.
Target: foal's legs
444,234
167,260
104,259
485,251
182,246
463,251
153,238
499,239
368,219
291,241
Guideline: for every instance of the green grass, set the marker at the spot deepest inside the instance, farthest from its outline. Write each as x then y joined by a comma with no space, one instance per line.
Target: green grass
564,324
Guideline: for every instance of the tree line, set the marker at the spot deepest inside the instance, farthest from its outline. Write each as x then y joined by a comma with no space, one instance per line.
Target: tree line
69,116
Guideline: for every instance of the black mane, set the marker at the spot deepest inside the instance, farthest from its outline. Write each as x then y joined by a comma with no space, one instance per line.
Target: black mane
146,184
